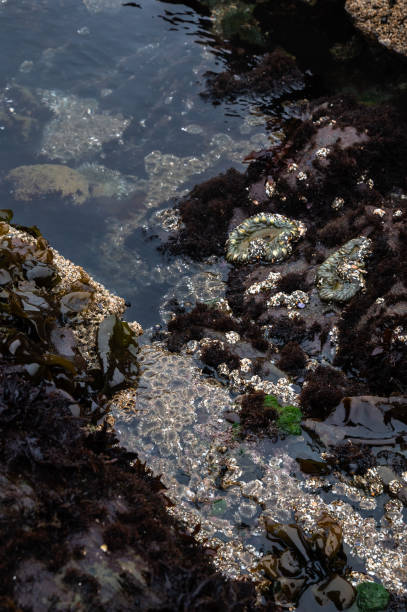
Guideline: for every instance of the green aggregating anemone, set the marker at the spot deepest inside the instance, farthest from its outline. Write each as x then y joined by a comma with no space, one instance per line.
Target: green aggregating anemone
265,237
341,276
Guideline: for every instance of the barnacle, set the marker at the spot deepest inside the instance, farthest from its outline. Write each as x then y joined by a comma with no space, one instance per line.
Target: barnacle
264,236
340,277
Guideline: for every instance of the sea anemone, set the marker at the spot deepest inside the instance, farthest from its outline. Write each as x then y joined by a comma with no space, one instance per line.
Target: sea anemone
265,237
341,276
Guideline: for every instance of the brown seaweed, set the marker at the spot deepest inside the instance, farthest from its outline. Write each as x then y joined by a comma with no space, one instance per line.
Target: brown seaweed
297,560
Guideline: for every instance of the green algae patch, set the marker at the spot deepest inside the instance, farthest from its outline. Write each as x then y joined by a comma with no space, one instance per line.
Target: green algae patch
219,507
40,180
289,417
372,597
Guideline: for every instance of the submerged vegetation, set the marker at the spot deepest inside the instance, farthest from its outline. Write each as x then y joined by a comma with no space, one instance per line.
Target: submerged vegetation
297,560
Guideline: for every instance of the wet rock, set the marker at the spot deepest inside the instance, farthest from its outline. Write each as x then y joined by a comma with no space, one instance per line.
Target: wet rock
39,180
50,314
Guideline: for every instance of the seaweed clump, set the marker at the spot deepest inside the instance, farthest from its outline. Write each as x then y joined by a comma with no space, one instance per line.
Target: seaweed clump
206,213
292,357
255,416
275,74
323,389
297,560
371,597
196,324
214,354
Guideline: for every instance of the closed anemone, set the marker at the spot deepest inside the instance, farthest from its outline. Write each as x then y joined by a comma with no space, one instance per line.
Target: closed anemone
263,237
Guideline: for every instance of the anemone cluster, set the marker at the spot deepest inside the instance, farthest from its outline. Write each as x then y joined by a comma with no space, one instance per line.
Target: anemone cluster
265,237
340,277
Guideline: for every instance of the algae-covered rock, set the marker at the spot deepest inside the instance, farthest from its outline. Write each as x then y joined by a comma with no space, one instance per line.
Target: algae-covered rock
236,20
39,180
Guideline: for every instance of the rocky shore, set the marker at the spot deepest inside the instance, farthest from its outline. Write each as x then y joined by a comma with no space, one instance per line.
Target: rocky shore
248,453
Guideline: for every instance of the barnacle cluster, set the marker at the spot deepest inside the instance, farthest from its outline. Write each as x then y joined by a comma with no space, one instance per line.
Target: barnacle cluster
340,277
264,236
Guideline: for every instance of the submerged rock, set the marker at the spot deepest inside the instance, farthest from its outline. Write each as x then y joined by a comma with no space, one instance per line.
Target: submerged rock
39,180
78,128
105,182
275,74
236,20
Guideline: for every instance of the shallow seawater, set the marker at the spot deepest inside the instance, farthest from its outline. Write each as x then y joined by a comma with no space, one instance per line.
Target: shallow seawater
113,93
96,79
